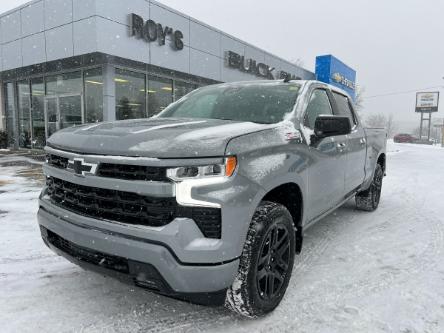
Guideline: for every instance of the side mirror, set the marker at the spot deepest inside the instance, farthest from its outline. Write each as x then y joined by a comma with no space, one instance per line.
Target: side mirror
326,126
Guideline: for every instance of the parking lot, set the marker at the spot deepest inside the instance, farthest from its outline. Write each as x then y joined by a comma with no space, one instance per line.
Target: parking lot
359,272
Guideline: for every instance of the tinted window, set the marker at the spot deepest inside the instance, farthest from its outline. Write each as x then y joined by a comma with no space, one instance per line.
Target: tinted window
182,88
94,95
130,94
24,114
319,105
344,107
160,94
10,111
264,103
69,83
38,115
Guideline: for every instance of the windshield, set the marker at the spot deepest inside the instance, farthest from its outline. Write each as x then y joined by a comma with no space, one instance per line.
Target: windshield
258,103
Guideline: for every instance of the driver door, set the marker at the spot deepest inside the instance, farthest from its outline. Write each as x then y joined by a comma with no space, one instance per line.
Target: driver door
326,174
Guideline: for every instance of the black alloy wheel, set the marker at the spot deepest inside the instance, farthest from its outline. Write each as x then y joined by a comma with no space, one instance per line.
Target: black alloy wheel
369,199
377,187
273,262
266,263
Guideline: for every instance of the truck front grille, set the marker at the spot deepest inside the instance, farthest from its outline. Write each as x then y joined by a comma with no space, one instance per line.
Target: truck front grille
57,161
112,205
129,208
132,172
118,171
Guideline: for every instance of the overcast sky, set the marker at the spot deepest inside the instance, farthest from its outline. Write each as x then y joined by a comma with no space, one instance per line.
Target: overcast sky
394,45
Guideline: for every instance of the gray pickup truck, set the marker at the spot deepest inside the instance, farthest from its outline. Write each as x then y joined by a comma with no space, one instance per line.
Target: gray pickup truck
209,200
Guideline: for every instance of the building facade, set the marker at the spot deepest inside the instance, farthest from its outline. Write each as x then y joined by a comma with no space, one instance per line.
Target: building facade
68,62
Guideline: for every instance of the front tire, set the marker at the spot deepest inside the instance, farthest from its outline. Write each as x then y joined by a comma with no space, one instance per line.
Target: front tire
369,200
266,262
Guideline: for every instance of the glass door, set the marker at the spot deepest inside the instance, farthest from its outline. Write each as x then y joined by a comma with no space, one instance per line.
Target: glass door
63,111
70,110
51,116
38,113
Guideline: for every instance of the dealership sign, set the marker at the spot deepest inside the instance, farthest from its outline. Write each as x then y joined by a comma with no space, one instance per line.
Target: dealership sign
341,79
251,66
331,70
151,31
427,102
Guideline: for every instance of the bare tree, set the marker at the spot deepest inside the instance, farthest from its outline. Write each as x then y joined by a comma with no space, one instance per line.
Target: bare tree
381,120
359,99
416,132
375,120
390,126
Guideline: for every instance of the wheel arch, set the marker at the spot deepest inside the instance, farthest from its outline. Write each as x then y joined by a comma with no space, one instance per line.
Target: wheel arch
291,197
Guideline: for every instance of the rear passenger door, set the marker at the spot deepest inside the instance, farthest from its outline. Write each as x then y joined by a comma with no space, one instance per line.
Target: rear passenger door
356,144
328,158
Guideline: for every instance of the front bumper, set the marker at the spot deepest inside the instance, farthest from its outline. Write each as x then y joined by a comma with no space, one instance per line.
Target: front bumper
140,254
186,259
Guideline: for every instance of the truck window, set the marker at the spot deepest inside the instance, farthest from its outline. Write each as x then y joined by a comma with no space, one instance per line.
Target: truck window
319,104
344,108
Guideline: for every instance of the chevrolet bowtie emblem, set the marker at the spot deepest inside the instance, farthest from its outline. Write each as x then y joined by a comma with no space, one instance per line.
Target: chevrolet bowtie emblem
81,168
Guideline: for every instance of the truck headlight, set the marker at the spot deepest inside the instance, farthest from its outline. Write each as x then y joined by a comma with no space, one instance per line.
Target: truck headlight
206,171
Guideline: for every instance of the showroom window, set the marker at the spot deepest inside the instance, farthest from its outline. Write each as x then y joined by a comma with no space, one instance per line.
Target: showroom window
38,112
93,95
160,94
64,84
182,88
24,114
10,112
130,95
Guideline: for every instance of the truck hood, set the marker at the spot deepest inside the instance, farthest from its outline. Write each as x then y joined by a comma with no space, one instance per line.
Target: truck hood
155,137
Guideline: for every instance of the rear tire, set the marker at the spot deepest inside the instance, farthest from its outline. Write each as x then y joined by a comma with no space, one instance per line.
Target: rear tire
266,262
368,200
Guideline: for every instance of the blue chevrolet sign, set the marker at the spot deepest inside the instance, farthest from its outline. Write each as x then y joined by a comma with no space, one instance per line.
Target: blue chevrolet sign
333,71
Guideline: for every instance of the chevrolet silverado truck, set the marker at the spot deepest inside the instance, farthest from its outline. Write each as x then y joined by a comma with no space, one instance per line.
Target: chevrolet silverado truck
209,200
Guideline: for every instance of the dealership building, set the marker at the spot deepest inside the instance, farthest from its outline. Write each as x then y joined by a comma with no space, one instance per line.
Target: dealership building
68,62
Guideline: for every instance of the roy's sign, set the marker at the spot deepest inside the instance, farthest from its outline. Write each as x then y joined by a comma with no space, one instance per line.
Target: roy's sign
151,31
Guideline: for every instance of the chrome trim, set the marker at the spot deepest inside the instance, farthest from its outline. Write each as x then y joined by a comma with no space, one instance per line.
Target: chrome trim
153,189
142,161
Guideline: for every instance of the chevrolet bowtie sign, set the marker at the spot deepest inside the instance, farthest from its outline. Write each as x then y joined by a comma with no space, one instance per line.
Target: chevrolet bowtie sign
331,70
81,168
341,79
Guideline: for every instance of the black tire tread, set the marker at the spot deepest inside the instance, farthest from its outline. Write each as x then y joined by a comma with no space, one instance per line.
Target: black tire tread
364,199
238,298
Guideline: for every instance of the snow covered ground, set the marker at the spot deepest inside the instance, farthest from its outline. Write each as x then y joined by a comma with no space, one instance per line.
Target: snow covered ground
359,272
